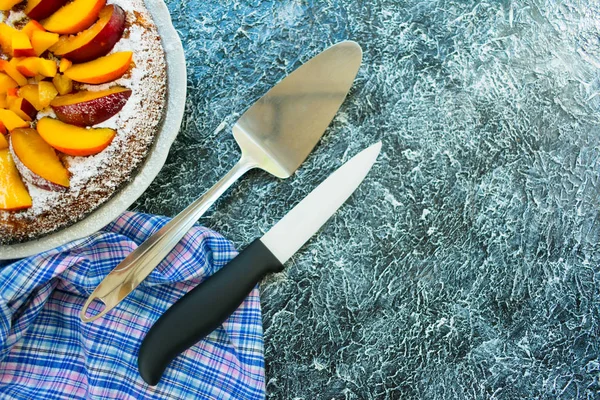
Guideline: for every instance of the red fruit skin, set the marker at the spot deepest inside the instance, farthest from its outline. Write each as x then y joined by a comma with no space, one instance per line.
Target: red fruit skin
104,41
28,109
24,53
92,112
45,9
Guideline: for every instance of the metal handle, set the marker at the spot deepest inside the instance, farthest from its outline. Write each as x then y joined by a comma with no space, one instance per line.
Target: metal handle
137,266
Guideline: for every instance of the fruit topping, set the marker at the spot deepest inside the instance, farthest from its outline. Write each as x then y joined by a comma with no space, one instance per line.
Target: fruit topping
11,120
74,140
64,65
32,66
37,161
42,41
6,5
12,94
87,108
6,82
6,34
63,84
21,45
98,40
40,9
37,51
31,94
11,70
47,93
13,193
31,27
74,17
101,70
23,108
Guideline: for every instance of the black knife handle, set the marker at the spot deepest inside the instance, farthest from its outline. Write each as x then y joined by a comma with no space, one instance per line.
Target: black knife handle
203,309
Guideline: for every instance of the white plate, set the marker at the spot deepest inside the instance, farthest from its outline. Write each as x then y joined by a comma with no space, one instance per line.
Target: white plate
176,95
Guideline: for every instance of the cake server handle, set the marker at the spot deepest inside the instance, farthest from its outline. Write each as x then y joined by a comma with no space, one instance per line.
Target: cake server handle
139,263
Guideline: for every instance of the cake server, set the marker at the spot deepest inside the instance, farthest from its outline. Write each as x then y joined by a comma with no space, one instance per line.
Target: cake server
276,134
209,304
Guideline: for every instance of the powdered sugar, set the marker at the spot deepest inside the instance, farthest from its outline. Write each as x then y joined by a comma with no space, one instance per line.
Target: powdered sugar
42,199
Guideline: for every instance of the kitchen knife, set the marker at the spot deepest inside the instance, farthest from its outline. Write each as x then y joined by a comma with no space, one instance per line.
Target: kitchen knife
207,306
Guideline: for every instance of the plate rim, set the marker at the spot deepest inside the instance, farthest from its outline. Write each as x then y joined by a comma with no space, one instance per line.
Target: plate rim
152,165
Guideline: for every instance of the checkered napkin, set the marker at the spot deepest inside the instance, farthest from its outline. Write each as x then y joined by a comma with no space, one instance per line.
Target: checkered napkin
46,352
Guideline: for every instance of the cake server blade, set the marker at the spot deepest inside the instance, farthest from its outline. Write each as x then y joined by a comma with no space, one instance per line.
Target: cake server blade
276,135
209,304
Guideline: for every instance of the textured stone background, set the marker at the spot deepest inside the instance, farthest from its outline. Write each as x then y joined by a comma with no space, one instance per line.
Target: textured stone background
466,265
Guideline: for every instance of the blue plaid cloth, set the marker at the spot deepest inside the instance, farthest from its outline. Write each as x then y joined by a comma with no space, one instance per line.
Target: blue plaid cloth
46,352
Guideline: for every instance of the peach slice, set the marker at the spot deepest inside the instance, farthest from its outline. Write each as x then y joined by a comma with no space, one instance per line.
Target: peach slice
3,101
47,93
62,39
6,34
11,120
37,161
32,66
12,71
31,27
3,143
6,82
13,193
87,108
6,5
40,9
3,129
28,67
64,65
12,95
74,140
24,109
74,17
27,108
42,41
96,41
31,94
63,84
101,70
21,45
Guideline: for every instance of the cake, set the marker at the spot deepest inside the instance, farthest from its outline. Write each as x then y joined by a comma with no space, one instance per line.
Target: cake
82,96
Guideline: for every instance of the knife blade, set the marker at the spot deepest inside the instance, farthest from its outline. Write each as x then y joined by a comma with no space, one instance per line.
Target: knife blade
208,305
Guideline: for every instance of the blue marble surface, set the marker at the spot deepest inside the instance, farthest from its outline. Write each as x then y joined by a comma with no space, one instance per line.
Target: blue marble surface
466,265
